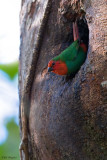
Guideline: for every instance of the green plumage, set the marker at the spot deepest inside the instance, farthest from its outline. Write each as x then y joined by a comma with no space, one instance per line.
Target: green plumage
74,56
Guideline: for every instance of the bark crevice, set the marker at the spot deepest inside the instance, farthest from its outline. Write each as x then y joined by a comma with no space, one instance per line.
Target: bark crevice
66,115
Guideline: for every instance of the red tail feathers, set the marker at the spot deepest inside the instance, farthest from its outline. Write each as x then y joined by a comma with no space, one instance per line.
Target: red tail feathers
75,31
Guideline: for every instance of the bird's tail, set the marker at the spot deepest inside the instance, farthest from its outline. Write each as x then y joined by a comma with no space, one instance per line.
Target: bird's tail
83,32
75,31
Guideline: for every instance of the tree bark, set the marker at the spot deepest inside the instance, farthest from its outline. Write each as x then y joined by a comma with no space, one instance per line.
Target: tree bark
65,118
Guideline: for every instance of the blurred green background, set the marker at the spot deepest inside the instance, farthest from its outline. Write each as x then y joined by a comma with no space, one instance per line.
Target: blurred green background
9,101
9,146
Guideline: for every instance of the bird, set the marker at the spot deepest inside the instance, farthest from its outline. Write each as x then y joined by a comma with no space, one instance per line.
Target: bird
71,59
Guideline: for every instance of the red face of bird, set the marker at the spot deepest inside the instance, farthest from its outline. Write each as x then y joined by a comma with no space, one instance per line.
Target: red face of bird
57,67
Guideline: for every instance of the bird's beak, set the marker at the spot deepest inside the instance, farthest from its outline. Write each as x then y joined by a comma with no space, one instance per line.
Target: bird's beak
50,69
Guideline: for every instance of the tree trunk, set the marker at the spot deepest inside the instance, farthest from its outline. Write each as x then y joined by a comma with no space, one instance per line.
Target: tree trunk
64,118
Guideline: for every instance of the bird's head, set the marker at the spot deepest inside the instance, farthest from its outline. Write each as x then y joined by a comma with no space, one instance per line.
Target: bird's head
57,67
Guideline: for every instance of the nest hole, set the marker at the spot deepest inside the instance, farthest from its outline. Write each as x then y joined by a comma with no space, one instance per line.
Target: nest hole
83,38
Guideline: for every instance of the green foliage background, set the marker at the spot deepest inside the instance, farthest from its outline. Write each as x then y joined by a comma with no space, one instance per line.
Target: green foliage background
10,148
11,69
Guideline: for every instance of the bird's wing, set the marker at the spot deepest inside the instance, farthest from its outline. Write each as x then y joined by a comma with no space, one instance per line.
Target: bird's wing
71,52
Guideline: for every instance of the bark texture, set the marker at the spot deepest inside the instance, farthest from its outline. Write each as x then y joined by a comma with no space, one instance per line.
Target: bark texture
66,118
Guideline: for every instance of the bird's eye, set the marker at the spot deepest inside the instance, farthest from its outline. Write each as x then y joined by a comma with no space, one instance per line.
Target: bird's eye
53,63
